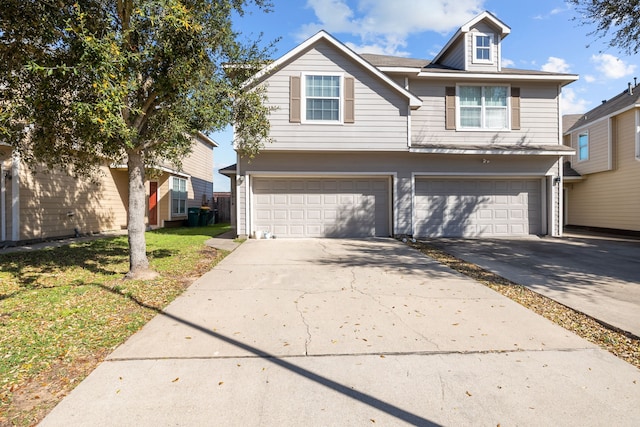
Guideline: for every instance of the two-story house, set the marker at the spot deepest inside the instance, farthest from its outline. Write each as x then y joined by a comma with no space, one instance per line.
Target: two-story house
370,145
48,204
606,191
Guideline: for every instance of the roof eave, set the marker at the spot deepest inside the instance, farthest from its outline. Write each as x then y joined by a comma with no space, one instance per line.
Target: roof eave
492,151
563,79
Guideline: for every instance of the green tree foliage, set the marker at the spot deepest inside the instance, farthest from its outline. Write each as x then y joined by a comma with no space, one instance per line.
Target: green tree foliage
615,19
92,81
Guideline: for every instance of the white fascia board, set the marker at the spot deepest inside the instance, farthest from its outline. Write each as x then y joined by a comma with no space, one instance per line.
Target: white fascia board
400,70
414,101
607,117
487,152
206,139
564,80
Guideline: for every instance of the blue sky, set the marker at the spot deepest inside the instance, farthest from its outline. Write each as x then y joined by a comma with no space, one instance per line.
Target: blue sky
544,36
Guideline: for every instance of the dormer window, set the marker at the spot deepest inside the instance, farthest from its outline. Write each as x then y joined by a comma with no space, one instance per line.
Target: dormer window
482,48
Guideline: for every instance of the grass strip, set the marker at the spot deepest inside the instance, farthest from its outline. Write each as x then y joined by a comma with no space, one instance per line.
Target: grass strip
62,310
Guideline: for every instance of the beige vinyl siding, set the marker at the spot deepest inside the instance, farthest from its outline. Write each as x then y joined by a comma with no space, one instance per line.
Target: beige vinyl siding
538,117
380,121
199,165
54,204
611,199
599,149
399,165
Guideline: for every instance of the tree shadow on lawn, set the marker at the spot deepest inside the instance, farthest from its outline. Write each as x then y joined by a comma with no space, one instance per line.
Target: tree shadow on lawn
67,264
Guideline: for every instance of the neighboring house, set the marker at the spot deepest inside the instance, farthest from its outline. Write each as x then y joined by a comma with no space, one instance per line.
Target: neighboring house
371,145
605,191
49,204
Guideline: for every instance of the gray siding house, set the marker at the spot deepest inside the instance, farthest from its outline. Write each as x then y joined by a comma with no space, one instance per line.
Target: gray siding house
371,145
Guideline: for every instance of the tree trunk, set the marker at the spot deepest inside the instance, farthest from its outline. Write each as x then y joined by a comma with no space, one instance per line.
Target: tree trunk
138,262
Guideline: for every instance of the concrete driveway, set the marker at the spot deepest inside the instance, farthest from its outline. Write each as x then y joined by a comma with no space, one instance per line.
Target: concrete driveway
349,332
598,275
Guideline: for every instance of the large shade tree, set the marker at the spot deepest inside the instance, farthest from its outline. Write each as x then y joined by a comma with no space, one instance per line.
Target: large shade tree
90,82
616,20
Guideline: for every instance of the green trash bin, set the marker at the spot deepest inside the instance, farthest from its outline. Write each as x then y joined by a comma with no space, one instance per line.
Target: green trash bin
193,213
204,214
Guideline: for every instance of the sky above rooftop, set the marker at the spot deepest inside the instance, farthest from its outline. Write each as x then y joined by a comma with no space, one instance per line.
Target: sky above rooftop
545,35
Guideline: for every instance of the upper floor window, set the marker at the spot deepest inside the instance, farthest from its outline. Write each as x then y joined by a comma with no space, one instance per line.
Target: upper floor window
322,98
583,146
482,48
178,196
483,107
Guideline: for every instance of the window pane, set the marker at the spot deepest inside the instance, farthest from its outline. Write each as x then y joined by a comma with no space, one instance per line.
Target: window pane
470,95
583,147
323,86
482,41
470,117
323,109
496,118
495,96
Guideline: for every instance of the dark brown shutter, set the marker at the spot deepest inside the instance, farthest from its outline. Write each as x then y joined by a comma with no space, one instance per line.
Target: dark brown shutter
349,100
294,99
450,107
515,108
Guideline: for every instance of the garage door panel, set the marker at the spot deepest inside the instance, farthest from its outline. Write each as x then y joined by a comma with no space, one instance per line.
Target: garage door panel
476,207
322,207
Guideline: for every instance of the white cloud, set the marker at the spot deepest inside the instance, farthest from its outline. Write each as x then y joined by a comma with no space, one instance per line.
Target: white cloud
572,104
589,78
556,65
382,25
611,66
507,62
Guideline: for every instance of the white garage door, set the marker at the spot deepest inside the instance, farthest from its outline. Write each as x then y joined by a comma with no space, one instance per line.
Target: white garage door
321,207
477,207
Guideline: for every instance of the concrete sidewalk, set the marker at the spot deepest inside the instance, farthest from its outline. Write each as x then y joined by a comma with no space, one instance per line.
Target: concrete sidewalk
349,332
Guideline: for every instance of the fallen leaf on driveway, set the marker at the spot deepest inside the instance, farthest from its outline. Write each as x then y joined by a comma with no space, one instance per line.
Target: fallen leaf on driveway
175,380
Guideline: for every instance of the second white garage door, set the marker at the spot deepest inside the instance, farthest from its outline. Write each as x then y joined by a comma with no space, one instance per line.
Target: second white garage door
321,207
477,207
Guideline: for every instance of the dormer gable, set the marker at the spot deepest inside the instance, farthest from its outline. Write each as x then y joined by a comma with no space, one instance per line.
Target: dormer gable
476,46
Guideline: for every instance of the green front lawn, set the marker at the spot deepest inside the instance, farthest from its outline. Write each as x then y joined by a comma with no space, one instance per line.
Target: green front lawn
62,310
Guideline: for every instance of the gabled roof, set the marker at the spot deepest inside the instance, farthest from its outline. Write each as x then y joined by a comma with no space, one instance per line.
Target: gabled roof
414,101
630,98
503,29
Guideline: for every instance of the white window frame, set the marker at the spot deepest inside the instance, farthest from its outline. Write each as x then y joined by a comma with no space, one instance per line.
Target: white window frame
579,151
483,107
303,94
186,196
475,58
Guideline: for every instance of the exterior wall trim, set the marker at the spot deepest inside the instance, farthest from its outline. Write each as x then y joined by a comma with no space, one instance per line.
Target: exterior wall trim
490,151
500,76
